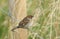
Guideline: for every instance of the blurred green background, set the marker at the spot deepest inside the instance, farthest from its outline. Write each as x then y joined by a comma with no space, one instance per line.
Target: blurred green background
3,19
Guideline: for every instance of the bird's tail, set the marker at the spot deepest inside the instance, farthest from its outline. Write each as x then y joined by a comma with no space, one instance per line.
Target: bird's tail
14,29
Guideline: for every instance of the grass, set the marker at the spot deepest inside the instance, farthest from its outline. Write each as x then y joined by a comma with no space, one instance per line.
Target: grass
48,22
3,20
47,26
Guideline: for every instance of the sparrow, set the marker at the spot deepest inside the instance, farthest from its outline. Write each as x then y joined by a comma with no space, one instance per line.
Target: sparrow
24,22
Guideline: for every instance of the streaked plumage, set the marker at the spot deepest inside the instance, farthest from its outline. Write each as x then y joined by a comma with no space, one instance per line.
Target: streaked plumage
24,22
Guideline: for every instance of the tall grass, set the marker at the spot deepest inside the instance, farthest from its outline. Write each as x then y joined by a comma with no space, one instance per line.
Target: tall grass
48,24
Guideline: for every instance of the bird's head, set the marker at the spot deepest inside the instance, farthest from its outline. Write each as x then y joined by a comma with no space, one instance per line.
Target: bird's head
30,16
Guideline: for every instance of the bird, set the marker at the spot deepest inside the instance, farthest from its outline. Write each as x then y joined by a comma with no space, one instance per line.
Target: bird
24,22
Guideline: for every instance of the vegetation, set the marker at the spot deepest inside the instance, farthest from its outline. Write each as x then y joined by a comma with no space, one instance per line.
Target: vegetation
47,26
3,19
